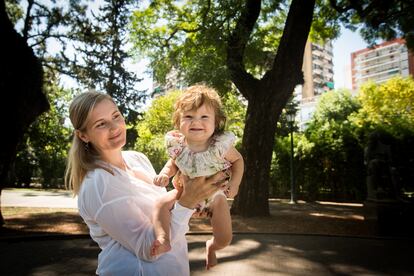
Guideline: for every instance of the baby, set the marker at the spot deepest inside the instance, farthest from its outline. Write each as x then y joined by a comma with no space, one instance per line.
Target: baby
199,147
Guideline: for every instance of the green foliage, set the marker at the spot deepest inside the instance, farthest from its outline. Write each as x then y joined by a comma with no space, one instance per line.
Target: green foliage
44,151
388,106
14,11
156,122
325,23
100,41
235,111
329,155
328,158
192,37
90,45
378,19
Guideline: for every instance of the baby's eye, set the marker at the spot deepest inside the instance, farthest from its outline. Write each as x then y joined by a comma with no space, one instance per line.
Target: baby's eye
188,117
100,125
204,117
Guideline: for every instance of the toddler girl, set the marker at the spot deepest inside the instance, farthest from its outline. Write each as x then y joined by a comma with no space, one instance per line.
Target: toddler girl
199,147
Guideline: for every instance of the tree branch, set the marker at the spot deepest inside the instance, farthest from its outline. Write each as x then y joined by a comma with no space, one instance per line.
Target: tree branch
237,44
27,20
287,65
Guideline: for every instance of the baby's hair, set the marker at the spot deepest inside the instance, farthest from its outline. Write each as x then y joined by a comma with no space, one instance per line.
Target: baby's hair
193,98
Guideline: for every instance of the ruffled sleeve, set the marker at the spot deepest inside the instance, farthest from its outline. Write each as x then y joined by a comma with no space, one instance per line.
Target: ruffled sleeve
174,143
224,141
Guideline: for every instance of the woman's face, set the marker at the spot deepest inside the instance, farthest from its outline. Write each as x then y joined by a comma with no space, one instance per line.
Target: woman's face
105,129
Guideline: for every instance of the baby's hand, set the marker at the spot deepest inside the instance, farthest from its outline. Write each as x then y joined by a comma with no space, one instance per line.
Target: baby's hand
232,191
161,180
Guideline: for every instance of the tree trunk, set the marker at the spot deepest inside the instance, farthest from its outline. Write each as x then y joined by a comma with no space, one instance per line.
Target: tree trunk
21,80
258,139
266,98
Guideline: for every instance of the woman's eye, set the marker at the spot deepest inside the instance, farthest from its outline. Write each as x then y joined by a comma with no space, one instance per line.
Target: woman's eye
100,125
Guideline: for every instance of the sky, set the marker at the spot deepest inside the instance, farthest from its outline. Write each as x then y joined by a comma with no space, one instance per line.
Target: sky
343,46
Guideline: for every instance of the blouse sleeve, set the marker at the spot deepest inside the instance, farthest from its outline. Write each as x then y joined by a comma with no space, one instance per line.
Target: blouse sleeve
224,142
173,143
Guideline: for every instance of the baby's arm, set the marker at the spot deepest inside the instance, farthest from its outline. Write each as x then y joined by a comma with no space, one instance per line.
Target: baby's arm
169,170
237,169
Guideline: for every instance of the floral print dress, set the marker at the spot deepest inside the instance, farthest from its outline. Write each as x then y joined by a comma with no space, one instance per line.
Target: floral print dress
205,163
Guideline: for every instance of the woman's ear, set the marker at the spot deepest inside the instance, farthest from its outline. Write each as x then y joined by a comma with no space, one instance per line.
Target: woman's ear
83,136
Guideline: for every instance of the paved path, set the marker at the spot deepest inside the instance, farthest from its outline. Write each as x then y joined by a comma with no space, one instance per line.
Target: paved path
248,255
38,198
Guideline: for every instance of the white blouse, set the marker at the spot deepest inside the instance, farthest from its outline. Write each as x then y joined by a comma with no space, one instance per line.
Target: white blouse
118,210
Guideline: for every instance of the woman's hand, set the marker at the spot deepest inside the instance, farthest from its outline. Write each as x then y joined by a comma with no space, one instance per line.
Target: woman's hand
197,189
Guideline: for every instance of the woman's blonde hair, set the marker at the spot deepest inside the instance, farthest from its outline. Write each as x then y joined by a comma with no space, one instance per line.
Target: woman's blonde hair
82,156
193,98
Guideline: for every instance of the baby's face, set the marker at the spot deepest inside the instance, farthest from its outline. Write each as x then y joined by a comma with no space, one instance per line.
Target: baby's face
198,125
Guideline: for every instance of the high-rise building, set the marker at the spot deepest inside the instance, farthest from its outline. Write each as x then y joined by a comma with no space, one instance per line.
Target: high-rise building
318,76
381,63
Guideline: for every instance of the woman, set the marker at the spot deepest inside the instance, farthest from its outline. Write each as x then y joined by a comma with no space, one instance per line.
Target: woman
116,196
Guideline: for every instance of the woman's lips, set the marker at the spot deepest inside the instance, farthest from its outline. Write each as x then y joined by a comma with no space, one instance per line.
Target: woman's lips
116,135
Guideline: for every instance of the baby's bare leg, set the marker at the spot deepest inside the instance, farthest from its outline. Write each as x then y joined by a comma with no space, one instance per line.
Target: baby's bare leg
222,229
161,221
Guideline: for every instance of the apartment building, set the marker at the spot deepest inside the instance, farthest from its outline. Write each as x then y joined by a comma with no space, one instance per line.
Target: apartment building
381,63
318,76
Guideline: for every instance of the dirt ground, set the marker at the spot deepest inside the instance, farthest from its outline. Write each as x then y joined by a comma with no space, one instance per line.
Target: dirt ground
327,218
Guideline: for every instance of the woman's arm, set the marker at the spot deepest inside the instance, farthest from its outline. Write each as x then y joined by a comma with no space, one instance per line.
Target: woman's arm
124,221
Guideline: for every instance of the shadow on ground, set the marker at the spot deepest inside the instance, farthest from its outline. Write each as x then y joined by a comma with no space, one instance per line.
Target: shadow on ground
249,254
306,255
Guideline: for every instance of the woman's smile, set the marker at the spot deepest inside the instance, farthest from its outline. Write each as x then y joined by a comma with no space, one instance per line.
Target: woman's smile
116,136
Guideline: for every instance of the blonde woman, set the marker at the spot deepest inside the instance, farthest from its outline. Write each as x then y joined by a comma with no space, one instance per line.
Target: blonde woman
116,194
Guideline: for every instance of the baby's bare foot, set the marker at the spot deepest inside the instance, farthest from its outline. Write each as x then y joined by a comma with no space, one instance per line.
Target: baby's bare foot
211,259
160,246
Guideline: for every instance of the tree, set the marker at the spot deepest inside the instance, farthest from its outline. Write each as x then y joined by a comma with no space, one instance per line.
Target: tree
49,137
90,45
386,19
43,150
256,45
21,80
100,41
331,155
267,86
388,106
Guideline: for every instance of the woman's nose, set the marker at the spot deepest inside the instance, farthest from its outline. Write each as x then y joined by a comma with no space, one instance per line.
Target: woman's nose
113,125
